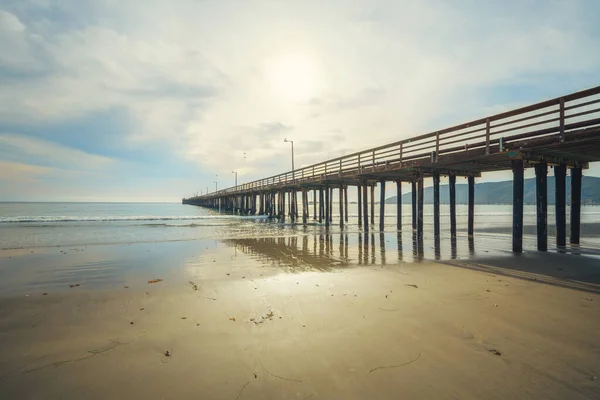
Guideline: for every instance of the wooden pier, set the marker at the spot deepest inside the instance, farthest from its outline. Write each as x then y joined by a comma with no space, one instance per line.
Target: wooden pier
561,133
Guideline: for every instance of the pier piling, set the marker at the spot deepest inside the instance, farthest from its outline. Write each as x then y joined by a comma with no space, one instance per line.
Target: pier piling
346,203
414,205
373,205
471,221
327,207
382,206
541,191
518,188
341,205
560,204
365,208
398,205
436,205
576,177
452,195
420,209
359,200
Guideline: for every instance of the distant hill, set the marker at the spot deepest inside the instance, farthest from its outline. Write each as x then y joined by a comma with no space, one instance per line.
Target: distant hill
501,192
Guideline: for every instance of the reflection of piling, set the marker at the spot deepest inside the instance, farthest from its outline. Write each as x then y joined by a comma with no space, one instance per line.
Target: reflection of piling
382,247
453,251
417,247
321,246
346,246
372,248
360,247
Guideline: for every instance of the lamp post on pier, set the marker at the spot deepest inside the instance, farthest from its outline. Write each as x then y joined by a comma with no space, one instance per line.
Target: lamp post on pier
216,190
235,172
292,142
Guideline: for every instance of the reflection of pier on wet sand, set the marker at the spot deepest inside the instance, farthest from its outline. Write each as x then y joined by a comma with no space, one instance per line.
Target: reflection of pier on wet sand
326,252
329,250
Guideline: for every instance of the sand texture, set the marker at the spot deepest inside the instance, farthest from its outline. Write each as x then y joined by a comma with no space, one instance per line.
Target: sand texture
250,330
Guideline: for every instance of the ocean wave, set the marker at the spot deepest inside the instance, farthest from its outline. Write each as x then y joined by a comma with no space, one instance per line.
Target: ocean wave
124,218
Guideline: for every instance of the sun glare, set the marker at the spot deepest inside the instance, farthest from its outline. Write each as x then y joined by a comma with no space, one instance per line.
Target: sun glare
293,77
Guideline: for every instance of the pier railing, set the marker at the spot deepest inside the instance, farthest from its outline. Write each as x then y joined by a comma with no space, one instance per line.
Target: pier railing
557,117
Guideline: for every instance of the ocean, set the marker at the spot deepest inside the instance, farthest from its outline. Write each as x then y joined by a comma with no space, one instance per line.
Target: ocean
35,225
32,225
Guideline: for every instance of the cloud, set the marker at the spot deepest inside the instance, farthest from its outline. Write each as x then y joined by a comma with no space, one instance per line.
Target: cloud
21,173
332,103
42,153
10,23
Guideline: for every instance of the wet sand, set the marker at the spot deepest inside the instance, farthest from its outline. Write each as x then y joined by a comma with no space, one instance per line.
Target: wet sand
250,328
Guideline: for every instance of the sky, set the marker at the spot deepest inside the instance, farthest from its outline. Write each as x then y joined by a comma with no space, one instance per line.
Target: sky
156,100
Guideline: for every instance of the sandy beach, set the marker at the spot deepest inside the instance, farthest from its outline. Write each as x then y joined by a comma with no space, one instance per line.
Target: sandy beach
235,325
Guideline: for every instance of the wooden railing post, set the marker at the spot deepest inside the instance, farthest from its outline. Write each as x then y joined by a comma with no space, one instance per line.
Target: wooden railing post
487,136
562,120
373,160
401,155
437,146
